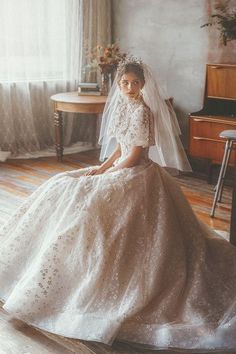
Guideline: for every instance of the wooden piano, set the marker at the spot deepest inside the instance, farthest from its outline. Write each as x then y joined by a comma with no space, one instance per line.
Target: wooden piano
218,114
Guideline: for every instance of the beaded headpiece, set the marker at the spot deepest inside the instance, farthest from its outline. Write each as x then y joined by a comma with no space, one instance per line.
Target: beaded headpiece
129,60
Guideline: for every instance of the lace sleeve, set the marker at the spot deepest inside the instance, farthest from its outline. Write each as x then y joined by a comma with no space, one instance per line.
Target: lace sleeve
140,131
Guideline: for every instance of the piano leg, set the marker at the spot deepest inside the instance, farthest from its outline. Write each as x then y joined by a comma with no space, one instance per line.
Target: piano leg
210,170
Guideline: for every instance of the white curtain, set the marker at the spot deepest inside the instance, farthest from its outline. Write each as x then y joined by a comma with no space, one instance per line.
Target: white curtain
36,37
41,53
96,29
40,43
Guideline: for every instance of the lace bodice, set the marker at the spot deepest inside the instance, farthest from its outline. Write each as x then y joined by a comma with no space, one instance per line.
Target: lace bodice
132,126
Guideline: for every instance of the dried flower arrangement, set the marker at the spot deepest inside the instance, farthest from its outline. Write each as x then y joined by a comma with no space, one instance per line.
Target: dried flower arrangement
225,20
106,58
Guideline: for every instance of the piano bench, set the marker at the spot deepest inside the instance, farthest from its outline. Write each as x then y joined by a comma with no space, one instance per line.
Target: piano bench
230,136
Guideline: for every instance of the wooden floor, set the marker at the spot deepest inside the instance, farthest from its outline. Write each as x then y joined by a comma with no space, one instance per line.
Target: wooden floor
19,178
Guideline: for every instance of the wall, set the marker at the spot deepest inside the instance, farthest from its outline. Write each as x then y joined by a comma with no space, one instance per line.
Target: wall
166,34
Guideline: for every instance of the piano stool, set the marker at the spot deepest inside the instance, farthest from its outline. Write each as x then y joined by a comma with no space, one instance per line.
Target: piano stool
230,136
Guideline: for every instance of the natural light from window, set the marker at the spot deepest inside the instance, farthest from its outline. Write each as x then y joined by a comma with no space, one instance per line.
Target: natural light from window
33,40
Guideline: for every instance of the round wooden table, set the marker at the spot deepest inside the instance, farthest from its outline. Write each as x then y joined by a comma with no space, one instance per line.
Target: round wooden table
73,103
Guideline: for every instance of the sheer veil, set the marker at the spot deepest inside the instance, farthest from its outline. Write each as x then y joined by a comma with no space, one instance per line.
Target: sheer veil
168,150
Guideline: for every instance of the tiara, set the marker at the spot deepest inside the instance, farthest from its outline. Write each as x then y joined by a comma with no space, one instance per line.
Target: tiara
129,60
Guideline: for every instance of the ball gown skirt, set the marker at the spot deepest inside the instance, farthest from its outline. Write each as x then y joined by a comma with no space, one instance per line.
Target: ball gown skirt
119,256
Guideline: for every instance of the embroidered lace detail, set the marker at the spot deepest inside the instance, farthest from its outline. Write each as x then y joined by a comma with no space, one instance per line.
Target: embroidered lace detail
132,126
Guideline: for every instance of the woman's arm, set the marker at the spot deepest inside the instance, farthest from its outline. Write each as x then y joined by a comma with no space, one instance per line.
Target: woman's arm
132,159
109,162
106,164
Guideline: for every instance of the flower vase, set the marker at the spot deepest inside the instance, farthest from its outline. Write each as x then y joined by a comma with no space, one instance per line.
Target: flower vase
105,86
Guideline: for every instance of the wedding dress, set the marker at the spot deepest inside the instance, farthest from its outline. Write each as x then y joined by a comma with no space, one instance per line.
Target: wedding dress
119,256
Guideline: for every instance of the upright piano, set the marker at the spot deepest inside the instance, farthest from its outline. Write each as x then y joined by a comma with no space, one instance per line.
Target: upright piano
218,114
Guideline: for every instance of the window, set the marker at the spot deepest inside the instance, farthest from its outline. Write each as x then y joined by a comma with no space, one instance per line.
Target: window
34,39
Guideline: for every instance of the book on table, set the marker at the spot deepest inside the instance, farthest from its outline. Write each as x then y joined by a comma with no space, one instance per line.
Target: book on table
89,88
89,93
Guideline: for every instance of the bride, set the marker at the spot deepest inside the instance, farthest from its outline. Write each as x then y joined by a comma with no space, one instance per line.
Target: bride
114,252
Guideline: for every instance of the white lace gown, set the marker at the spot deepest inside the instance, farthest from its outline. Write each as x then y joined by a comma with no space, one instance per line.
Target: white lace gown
119,256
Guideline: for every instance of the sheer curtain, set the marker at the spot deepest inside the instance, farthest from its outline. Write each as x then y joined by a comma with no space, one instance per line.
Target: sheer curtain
96,28
41,54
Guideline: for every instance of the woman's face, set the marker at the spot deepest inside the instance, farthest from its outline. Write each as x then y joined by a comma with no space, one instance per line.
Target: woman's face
130,85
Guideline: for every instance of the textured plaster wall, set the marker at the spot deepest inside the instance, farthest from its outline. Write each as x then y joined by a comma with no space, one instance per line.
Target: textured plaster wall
167,35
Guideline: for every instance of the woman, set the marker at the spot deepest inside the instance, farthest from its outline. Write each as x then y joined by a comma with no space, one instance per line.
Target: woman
115,252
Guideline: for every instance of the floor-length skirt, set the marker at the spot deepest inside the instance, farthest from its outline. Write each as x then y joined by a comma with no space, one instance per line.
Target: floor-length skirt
119,256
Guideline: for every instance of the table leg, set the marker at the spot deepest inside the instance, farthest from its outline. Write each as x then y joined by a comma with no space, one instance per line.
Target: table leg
58,124
94,136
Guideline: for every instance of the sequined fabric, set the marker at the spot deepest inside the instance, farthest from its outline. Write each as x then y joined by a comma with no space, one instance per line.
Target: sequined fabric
119,256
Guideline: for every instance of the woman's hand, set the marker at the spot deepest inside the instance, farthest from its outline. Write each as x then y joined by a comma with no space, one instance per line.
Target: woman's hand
94,171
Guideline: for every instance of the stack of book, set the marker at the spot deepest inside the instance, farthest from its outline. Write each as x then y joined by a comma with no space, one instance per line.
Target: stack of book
89,88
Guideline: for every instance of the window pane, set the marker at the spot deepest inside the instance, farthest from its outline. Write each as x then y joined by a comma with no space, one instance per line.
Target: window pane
32,39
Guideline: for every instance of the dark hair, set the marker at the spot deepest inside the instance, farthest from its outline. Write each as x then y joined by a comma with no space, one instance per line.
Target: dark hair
134,68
